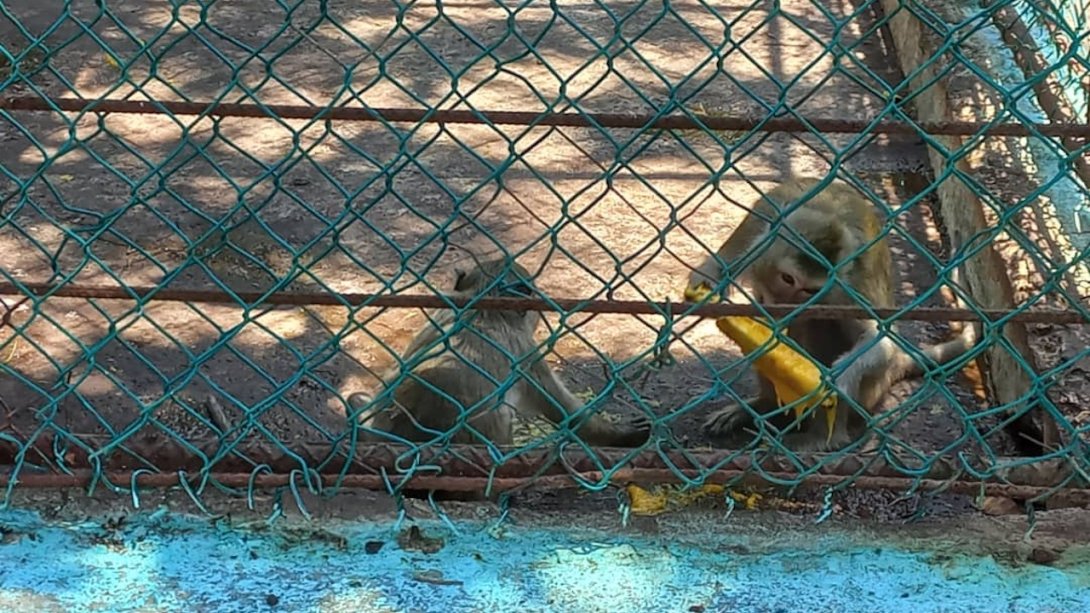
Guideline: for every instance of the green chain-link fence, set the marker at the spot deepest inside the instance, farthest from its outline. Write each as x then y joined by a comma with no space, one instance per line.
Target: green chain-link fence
218,215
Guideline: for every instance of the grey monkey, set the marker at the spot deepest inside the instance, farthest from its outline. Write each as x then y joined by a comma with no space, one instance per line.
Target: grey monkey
456,385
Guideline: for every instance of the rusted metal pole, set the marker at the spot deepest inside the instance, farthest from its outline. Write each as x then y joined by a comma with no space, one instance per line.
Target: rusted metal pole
85,478
691,121
251,299
475,462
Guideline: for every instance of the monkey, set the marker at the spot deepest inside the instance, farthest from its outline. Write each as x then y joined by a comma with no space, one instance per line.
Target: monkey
841,225
464,374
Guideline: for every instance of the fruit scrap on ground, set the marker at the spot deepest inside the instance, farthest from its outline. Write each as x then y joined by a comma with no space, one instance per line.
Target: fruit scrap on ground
669,498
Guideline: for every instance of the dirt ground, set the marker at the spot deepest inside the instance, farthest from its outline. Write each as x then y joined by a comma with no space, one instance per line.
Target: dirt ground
239,204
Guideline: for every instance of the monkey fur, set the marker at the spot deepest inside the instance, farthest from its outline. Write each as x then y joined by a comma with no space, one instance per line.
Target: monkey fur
837,222
462,375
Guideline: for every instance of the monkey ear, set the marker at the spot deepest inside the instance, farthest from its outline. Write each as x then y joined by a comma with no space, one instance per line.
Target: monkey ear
848,245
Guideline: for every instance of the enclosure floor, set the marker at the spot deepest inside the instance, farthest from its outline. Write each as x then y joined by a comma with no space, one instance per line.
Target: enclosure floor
586,208
164,562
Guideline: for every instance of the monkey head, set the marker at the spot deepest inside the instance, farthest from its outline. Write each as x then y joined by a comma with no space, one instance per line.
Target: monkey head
500,277
787,274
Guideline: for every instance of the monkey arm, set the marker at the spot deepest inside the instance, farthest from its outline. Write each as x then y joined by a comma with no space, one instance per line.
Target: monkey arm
595,429
436,325
708,273
712,270
552,392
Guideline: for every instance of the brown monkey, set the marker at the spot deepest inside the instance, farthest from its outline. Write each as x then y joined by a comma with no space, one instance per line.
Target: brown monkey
839,223
454,387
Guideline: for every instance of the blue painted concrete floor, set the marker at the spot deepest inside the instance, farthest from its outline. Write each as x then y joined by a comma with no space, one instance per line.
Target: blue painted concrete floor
165,562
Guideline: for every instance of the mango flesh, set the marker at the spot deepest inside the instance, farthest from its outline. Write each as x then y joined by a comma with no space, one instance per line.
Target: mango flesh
793,376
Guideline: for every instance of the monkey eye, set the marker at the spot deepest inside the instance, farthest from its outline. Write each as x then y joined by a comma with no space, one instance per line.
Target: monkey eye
788,279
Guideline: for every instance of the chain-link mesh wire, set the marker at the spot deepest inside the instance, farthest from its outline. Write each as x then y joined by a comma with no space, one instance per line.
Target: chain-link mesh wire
289,204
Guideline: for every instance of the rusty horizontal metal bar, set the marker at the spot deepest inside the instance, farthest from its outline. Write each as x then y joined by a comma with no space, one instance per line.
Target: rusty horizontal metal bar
85,478
632,307
692,121
152,448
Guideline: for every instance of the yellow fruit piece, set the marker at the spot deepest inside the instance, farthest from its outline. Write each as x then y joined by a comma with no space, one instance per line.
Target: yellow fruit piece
697,293
111,61
644,502
792,375
663,499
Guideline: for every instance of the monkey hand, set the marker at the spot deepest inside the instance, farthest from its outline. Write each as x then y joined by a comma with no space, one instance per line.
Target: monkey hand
611,429
793,376
633,431
699,291
734,417
358,400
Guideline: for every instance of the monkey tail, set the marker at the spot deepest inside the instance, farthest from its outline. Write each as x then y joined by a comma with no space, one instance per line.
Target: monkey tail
950,350
942,353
